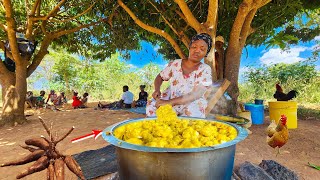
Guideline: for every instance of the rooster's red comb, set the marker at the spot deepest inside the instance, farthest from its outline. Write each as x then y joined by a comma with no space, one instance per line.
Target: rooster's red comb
283,119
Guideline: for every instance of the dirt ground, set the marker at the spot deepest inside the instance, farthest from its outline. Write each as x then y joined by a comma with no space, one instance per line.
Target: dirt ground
303,145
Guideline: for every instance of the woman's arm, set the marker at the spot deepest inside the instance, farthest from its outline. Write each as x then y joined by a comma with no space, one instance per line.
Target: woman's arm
157,84
195,94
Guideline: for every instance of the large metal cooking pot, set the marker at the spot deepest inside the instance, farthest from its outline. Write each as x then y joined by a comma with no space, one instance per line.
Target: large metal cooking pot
150,163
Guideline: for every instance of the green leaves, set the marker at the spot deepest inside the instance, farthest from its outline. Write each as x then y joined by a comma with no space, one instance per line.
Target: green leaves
302,77
314,166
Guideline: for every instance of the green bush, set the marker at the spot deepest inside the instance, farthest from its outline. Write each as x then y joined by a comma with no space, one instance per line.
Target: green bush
302,76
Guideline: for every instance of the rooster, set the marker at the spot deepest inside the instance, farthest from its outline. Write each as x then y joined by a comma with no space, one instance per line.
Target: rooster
278,134
281,96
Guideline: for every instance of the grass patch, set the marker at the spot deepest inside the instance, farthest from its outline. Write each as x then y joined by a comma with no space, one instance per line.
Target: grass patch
305,113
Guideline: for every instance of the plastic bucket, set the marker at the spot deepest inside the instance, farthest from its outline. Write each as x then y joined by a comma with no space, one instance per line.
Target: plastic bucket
257,113
288,108
258,101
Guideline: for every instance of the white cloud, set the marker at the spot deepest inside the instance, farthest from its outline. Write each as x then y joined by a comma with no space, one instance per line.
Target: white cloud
156,48
242,72
132,66
315,47
317,38
276,55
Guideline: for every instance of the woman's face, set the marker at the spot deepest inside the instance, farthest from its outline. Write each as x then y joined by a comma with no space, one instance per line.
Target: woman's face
198,50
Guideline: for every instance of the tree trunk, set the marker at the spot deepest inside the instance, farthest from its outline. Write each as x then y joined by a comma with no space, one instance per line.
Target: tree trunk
219,57
232,65
14,91
210,60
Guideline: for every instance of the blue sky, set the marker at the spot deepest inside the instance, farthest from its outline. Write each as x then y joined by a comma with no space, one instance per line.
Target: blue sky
250,57
147,54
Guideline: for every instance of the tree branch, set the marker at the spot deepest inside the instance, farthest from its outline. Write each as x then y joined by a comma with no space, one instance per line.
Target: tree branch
38,9
2,45
11,32
181,15
191,20
246,28
39,56
64,32
75,17
263,3
38,18
30,21
3,69
212,14
34,8
182,36
243,11
8,54
55,9
27,6
112,15
4,27
43,27
153,29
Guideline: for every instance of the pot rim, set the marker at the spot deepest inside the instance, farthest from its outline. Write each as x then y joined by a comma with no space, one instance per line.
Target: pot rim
108,136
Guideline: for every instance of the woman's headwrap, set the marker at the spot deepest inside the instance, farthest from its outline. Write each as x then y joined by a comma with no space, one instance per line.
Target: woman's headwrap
203,36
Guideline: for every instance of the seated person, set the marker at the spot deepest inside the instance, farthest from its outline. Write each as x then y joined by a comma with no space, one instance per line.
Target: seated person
143,98
40,99
125,101
79,102
189,80
84,100
76,100
61,99
30,99
52,97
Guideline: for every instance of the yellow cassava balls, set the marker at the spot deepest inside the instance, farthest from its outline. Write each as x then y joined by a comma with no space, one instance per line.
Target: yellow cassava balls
168,131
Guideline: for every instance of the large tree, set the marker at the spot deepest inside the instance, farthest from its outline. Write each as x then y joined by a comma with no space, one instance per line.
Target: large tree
172,23
47,22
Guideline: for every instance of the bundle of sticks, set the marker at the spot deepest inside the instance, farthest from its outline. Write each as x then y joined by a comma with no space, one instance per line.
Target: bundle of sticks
46,156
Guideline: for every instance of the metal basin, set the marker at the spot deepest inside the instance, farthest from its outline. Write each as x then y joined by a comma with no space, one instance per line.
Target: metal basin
150,163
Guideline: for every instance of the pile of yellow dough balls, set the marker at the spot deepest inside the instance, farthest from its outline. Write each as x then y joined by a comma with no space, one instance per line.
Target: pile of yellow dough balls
167,131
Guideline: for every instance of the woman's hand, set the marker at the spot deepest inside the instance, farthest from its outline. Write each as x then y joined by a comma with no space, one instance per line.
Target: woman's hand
161,102
156,94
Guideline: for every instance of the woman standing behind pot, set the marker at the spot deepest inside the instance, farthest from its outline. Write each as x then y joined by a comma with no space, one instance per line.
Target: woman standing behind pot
189,79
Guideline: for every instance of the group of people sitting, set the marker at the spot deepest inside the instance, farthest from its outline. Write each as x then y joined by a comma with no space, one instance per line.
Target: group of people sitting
40,101
127,99
53,100
78,101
